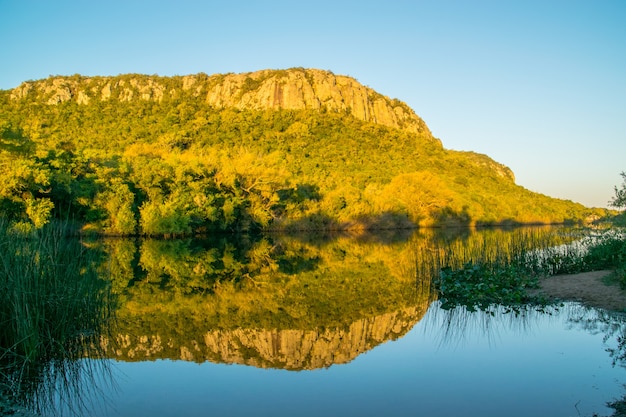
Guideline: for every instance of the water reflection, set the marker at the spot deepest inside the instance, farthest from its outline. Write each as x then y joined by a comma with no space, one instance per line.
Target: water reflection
299,304
453,326
280,303
283,301
498,366
291,349
531,363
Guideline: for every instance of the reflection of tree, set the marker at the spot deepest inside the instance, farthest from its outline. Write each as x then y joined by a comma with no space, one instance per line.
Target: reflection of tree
610,324
487,269
189,266
454,325
186,292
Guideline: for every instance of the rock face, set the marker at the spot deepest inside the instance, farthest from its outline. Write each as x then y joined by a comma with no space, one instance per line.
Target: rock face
290,349
311,89
290,89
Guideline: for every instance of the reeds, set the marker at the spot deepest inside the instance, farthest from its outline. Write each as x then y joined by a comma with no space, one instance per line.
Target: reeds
490,267
499,268
53,307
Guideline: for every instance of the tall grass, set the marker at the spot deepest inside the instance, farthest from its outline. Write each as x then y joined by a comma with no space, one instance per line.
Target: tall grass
485,272
598,250
53,307
609,252
486,267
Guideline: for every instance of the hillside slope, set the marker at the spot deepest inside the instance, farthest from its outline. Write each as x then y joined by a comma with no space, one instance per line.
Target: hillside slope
302,149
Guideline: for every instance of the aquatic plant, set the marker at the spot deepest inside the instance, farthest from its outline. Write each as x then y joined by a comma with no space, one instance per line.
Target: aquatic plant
502,274
493,267
479,286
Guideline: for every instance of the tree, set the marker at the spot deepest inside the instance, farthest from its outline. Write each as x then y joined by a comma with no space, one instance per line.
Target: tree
421,195
164,218
255,177
39,211
619,201
118,201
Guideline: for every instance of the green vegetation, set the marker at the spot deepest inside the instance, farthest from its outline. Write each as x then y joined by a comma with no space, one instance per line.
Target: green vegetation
181,290
504,281
145,155
609,252
502,274
53,308
494,268
480,287
267,283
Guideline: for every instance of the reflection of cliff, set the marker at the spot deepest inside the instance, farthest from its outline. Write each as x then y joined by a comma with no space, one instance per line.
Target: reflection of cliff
276,348
281,302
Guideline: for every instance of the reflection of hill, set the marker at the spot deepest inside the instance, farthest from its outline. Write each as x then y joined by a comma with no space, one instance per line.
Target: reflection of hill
286,304
282,302
291,349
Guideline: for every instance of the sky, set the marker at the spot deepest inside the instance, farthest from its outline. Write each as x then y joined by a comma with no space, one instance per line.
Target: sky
539,86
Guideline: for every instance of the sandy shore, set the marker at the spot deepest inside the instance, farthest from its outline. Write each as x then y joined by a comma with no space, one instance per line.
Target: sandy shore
587,287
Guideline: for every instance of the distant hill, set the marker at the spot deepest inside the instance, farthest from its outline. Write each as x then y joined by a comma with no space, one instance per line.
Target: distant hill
283,149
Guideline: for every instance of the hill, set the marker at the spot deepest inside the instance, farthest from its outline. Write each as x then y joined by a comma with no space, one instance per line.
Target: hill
282,149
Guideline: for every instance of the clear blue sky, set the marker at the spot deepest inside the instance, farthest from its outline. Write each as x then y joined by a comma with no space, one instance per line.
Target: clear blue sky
539,86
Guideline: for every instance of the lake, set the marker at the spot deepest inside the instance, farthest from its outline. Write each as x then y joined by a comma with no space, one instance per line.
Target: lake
334,325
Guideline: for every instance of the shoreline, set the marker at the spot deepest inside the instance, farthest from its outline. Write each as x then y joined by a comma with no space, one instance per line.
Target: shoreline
588,288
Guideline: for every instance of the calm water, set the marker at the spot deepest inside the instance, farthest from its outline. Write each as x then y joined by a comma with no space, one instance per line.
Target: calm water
343,326
539,365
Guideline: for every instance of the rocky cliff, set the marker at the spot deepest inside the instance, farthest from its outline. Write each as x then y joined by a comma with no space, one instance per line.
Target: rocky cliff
291,349
268,89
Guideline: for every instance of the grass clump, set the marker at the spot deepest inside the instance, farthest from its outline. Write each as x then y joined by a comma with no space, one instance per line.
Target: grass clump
609,252
603,251
606,250
53,306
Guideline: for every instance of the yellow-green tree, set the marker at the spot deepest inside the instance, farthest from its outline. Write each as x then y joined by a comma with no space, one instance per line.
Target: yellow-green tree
421,195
